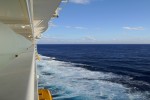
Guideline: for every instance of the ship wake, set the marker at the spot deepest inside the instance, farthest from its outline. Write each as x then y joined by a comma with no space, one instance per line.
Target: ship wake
68,81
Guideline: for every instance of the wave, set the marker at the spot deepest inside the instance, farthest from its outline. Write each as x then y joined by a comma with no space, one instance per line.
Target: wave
68,81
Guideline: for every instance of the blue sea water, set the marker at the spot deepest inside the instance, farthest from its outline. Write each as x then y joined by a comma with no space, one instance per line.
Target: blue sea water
95,72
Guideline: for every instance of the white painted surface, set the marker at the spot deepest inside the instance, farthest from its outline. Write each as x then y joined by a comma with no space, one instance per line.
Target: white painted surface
11,44
17,74
17,78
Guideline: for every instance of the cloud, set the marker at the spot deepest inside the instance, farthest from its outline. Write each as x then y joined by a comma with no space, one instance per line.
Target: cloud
76,27
68,26
134,28
50,40
48,37
80,1
89,38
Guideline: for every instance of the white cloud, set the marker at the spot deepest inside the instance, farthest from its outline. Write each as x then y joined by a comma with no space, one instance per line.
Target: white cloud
80,1
48,37
75,27
68,26
64,1
89,38
50,40
134,28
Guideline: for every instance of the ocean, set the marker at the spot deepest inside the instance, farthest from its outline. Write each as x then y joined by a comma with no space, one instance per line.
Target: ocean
95,71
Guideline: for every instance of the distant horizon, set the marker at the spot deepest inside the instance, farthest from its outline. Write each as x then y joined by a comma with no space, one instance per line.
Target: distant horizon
97,44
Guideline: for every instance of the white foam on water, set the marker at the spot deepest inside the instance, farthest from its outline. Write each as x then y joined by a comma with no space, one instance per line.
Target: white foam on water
68,82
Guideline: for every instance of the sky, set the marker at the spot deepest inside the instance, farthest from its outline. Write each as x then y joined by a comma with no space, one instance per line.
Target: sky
100,22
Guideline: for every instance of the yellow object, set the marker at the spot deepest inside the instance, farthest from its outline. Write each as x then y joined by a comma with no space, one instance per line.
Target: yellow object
37,57
44,94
